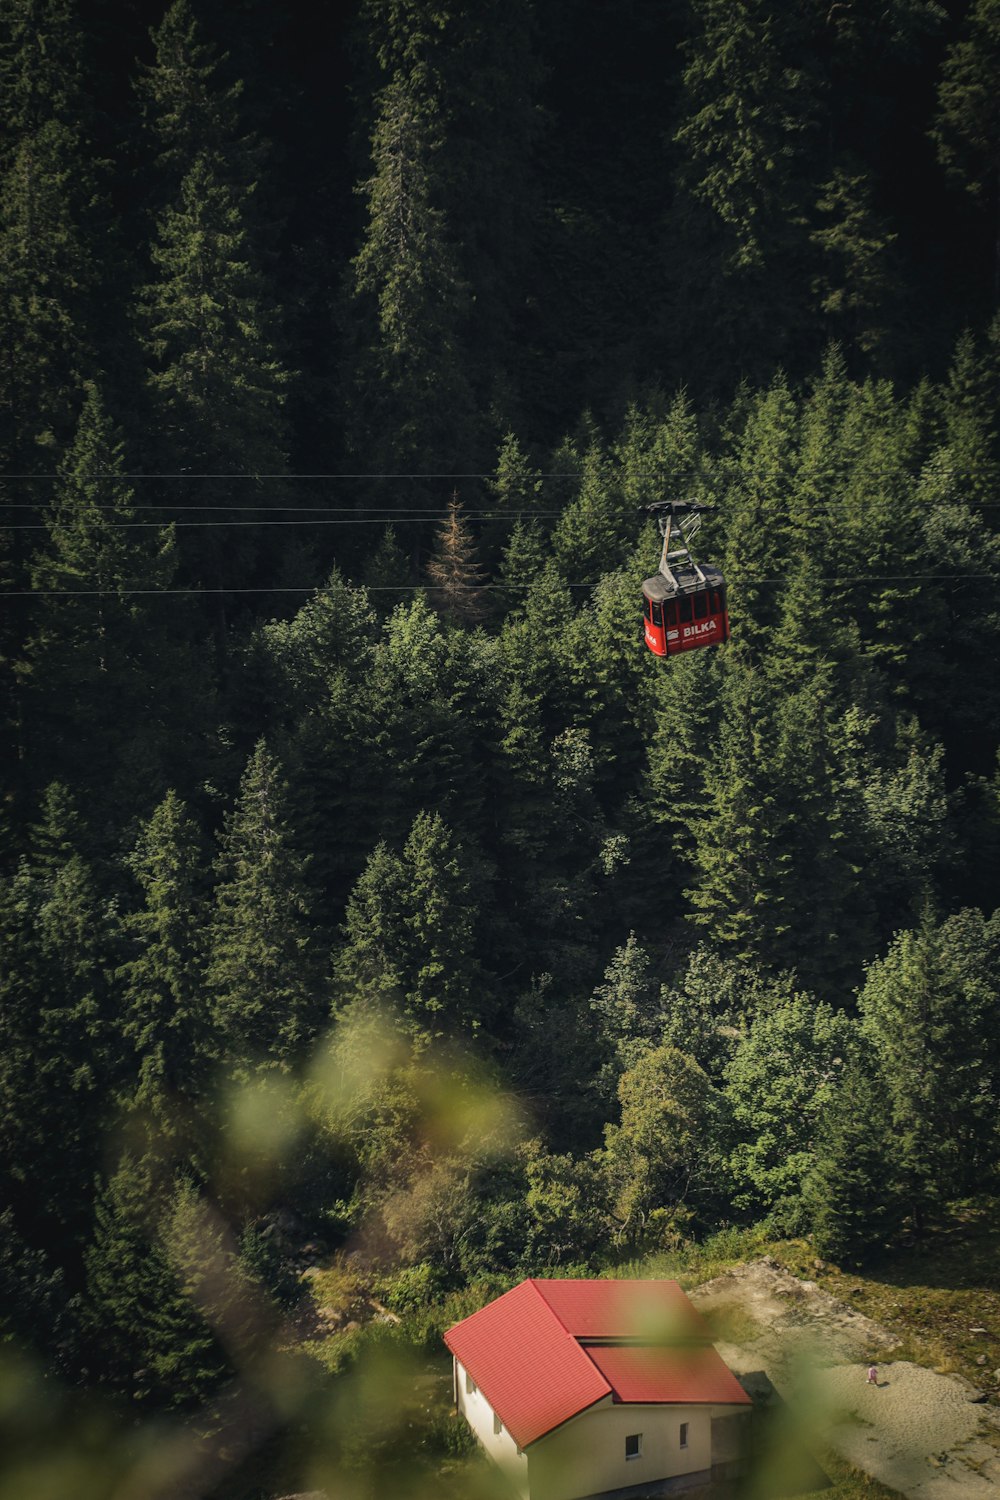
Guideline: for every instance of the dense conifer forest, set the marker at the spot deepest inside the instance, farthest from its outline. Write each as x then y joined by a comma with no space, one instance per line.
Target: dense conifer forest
364,883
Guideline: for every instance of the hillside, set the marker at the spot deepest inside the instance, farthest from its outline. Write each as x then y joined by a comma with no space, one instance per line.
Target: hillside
365,884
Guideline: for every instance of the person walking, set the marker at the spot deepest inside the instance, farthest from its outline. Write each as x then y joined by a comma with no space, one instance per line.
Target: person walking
873,1375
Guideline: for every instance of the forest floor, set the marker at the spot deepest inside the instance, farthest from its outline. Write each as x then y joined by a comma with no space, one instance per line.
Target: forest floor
920,1431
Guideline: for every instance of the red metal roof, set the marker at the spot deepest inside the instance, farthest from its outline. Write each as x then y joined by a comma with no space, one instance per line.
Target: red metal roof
661,1374
524,1351
656,1311
532,1372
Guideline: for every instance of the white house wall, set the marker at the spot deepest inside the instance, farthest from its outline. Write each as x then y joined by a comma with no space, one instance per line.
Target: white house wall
500,1446
587,1454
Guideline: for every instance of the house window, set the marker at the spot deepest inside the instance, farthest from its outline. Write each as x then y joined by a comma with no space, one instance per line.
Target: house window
497,1425
633,1445
684,1434
470,1385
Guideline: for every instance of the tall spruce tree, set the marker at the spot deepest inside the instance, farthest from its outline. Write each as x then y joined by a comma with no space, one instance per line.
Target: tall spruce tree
850,1193
747,105
427,700
592,533
188,108
97,683
167,1020
308,685
468,74
217,382
154,1345
929,1009
60,1057
412,934
208,322
406,389
42,67
262,972
967,128
49,275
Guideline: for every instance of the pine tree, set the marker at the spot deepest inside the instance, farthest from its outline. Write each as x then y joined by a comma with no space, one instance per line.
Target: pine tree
516,485
453,96
387,572
49,277
855,282
929,1010
310,686
457,582
591,535
758,510
411,934
96,684
59,1054
516,491
628,1004
660,454
406,388
522,563
262,973
969,399
967,128
187,108
167,1021
217,382
42,67
56,234
427,701
747,104
850,1192
156,1347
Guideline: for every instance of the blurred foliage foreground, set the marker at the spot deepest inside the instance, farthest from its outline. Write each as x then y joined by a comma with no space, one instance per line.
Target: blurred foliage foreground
309,1383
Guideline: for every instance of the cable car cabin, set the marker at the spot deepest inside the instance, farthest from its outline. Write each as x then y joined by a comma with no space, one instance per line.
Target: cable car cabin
684,615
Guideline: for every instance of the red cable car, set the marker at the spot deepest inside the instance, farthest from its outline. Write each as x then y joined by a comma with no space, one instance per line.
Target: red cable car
683,605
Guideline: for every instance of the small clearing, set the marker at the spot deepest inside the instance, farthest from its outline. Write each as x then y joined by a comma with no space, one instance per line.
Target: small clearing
918,1431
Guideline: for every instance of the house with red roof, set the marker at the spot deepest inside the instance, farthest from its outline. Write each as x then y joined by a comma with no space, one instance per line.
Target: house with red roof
598,1388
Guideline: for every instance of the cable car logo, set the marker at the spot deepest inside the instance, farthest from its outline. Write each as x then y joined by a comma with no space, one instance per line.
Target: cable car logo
705,628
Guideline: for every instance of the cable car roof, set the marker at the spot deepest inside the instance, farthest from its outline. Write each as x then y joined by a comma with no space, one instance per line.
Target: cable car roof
685,581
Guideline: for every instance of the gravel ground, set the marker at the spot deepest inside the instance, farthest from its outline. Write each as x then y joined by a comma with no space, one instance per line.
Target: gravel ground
917,1431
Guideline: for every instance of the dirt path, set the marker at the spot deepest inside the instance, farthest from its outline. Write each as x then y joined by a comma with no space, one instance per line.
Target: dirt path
917,1431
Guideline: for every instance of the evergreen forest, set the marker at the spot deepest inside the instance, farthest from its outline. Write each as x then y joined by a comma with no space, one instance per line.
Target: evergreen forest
368,892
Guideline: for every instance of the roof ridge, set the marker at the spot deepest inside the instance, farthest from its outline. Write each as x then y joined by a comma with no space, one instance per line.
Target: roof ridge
533,1283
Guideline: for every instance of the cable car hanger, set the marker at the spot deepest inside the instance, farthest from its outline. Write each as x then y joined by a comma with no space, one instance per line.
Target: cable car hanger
684,604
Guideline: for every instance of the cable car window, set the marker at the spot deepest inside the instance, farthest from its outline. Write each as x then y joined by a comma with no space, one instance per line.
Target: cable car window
684,610
670,611
700,606
716,602
647,608
657,613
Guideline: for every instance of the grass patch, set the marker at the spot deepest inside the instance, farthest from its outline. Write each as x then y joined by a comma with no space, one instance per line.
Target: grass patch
731,1323
692,1263
848,1483
929,1295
